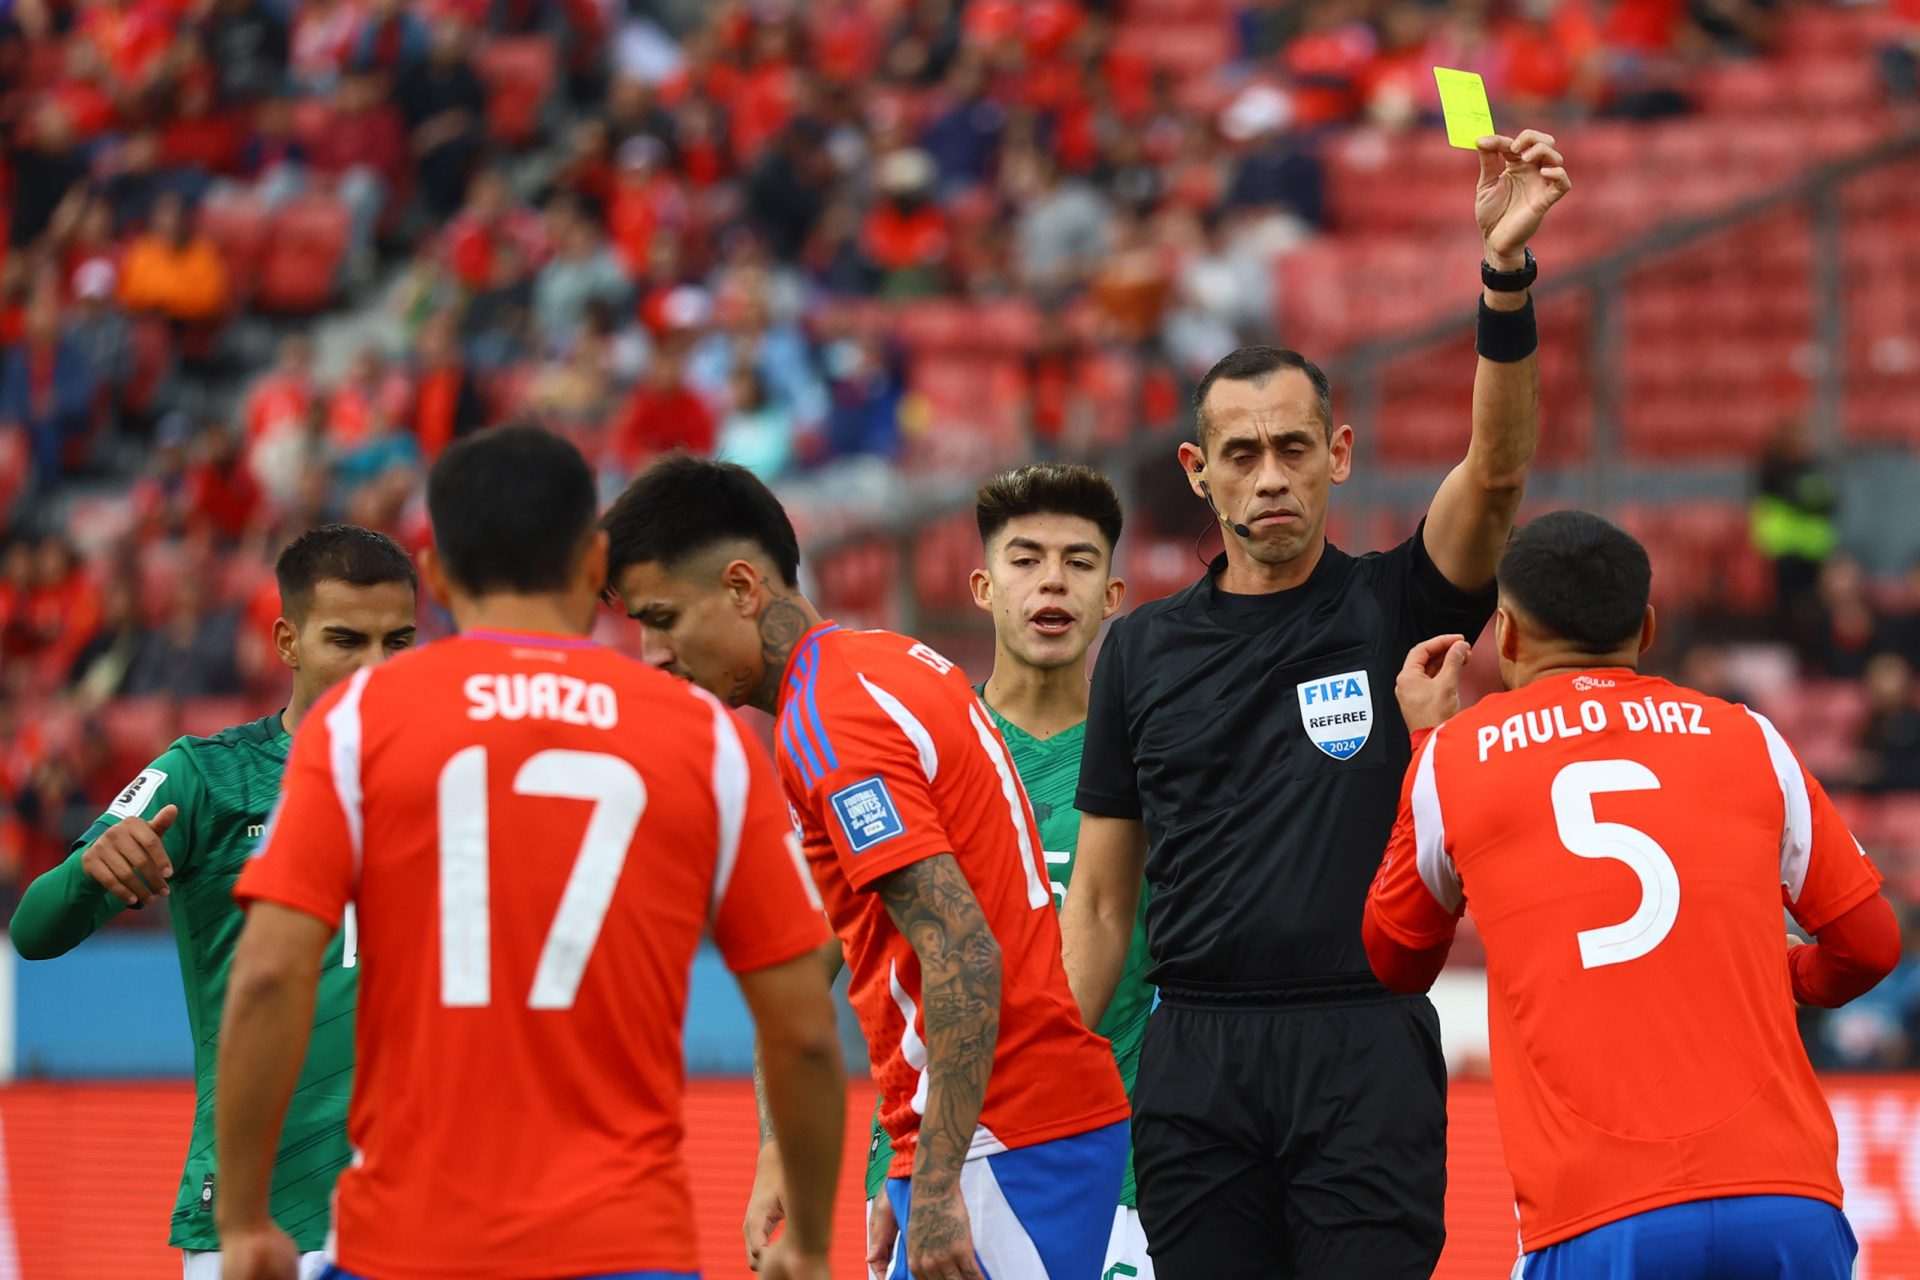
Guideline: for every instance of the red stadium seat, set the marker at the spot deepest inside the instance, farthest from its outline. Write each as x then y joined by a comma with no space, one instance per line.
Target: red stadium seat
519,72
242,229
303,258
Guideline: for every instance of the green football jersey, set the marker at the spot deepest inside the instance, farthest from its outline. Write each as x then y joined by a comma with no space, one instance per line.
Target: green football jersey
1050,772
225,786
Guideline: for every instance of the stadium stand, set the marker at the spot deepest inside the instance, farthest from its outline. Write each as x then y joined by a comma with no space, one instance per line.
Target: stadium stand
875,249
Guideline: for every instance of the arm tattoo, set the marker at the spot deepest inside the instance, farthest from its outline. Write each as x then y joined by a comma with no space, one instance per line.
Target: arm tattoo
934,908
781,623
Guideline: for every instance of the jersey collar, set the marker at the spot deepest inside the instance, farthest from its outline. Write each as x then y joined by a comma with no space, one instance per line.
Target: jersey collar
805,652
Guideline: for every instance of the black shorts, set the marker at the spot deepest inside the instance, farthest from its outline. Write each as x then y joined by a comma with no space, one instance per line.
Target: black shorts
1292,1141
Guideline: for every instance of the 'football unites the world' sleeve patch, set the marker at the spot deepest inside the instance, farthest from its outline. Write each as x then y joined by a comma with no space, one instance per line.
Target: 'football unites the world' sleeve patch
867,814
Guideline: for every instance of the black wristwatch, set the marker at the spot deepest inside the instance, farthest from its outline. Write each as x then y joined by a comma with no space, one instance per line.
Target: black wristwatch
1510,281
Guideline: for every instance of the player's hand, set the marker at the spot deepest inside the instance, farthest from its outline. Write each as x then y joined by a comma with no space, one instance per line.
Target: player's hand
259,1253
1428,685
130,861
766,1204
940,1238
1520,179
783,1261
883,1230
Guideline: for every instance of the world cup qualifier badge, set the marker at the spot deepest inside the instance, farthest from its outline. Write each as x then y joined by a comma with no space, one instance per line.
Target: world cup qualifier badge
1337,712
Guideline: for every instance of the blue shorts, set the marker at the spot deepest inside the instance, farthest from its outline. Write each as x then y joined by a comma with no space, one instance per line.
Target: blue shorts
335,1273
1038,1213
1738,1238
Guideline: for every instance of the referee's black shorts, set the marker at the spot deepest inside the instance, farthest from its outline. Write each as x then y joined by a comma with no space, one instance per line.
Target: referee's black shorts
1287,1140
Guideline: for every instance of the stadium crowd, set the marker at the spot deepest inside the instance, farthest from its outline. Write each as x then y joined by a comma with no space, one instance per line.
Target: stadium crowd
672,225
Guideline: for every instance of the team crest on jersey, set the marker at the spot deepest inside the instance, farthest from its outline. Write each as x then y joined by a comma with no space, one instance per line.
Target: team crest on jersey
1337,712
867,814
132,802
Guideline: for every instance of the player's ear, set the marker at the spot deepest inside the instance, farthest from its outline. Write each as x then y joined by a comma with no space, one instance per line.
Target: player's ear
593,565
1647,630
286,643
982,584
1116,592
743,584
1506,636
1340,444
1193,463
434,574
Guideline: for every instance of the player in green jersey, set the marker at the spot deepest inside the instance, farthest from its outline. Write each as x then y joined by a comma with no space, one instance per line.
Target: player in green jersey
1047,534
182,830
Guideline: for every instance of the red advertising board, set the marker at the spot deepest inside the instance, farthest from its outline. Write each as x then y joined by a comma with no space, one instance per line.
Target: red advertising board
90,1173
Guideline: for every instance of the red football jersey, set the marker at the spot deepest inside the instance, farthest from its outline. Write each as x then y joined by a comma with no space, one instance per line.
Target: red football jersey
535,831
1624,846
889,758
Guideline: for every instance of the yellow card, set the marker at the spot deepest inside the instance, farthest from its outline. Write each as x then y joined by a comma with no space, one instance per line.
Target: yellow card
1463,99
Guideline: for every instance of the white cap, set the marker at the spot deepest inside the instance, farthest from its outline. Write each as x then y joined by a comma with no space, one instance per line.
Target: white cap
94,279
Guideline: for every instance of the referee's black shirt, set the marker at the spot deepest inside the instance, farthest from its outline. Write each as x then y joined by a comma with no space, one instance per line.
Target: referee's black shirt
1221,721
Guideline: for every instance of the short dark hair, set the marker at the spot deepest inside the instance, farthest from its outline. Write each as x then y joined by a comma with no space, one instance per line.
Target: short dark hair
512,507
683,504
338,553
1048,488
1578,576
1257,365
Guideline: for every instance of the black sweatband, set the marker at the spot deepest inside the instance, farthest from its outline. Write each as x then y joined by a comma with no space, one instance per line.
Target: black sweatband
1506,336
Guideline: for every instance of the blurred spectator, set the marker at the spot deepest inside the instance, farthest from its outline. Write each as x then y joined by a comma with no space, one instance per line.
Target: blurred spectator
583,268
777,351
1795,498
1056,407
100,668
963,138
786,190
191,654
662,413
43,173
172,270
373,391
160,498
444,103
1224,296
446,396
102,331
393,40
496,323
866,385
221,493
1848,632
248,41
282,460
322,40
363,152
386,449
1900,54
1131,286
47,386
1877,1031
575,394
280,398
906,236
492,222
1903,620
756,433
1889,750
1063,224
274,161
61,613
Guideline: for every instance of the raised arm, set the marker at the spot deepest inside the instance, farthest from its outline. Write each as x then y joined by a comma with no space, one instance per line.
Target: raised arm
1520,179
935,910
1096,922
263,1042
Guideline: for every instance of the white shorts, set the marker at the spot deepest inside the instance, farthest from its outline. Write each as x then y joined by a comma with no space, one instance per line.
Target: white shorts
1126,1247
196,1264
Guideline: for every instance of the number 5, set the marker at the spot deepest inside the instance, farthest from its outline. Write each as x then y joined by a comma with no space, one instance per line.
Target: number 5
1574,788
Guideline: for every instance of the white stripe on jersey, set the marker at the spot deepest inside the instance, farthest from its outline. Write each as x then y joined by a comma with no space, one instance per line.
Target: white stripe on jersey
909,724
729,797
1796,835
1039,894
912,1048
1437,871
343,734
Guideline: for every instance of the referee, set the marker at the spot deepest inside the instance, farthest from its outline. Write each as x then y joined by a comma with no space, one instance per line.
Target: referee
1243,748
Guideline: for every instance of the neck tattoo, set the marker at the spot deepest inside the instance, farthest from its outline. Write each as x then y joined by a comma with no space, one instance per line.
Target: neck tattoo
781,623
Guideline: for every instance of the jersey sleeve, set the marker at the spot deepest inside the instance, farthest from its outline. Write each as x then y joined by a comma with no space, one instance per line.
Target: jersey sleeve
309,857
1431,605
867,761
765,908
1417,898
1824,873
1109,781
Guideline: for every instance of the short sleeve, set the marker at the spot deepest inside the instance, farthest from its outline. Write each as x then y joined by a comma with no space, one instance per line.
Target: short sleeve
765,908
1109,782
171,779
1824,873
1416,895
309,857
1431,605
869,760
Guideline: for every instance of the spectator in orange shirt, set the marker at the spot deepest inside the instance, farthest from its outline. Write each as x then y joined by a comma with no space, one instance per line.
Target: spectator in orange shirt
172,270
